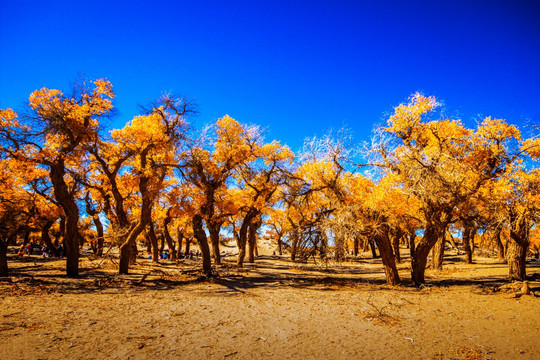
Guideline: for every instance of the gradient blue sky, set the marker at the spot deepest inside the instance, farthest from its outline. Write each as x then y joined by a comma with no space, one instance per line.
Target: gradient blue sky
297,68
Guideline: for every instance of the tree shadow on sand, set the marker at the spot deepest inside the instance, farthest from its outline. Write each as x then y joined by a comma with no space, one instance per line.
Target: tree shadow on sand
36,275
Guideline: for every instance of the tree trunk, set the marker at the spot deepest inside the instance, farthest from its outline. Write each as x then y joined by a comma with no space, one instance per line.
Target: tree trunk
171,245
120,213
387,256
127,248
373,249
200,235
451,239
412,245
188,245
355,246
397,234
438,254
517,247
501,253
47,239
418,268
154,241
134,252
365,244
93,246
71,243
67,200
516,256
242,238
125,254
93,212
179,239
213,229
324,245
420,254
168,237
241,244
62,227
339,249
294,243
252,240
468,242
3,258
100,235
280,245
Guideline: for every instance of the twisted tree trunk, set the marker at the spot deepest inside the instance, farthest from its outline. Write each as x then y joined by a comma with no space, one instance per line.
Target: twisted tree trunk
66,199
396,234
127,248
100,235
242,238
438,254
419,255
200,235
501,252
387,256
468,242
252,240
518,245
168,237
412,245
213,229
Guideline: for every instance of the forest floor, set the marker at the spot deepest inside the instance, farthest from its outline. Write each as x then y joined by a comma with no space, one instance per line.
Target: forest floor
273,309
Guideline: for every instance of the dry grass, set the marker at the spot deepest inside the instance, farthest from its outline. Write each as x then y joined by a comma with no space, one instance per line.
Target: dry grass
378,313
468,353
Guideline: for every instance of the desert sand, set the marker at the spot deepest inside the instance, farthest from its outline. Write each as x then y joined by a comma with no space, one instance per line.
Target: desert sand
273,309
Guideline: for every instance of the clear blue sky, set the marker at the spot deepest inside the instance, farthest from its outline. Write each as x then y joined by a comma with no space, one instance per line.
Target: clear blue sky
297,68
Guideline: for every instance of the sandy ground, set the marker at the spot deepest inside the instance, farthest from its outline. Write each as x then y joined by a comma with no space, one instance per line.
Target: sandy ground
271,310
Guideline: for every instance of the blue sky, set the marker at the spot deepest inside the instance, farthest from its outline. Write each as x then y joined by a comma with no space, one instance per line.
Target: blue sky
297,68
